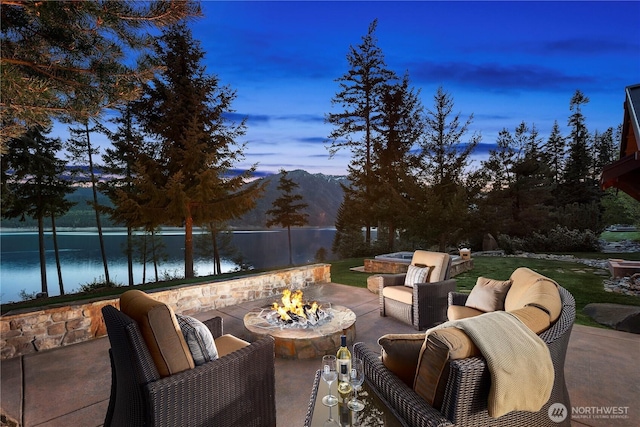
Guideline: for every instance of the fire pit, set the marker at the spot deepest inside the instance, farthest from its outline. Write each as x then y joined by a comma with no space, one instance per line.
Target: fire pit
302,330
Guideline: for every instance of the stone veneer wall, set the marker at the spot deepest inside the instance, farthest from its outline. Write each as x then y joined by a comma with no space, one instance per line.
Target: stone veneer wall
56,326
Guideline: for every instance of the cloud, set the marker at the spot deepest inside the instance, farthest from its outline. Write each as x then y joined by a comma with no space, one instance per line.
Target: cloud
589,46
313,140
304,118
251,118
498,77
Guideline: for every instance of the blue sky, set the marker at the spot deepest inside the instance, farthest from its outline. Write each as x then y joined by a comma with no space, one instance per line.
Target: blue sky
505,62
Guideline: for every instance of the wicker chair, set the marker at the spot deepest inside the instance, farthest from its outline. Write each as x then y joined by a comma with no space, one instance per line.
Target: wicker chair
236,389
425,304
465,399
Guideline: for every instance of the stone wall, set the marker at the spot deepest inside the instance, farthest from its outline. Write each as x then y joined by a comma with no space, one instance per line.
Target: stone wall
56,326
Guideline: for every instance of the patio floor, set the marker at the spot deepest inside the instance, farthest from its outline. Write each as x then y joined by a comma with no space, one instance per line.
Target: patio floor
69,386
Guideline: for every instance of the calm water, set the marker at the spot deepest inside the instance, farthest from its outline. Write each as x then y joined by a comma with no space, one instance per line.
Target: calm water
82,263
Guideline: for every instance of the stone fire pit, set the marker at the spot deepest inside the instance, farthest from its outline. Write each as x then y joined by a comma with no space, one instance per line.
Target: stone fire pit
309,342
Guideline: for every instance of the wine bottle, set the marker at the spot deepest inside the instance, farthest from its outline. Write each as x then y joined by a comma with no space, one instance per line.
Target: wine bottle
344,367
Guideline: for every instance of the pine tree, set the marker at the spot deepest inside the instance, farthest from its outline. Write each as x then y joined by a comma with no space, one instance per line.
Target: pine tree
184,177
445,155
119,163
444,158
81,150
393,162
554,152
360,92
499,165
72,59
33,185
287,208
577,185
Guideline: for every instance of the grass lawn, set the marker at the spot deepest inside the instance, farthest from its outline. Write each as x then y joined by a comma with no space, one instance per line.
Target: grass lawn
615,236
584,282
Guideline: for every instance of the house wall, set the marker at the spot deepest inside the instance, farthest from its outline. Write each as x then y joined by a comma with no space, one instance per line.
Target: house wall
54,326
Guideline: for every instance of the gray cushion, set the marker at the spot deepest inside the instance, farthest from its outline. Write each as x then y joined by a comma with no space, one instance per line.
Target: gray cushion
488,294
416,275
199,339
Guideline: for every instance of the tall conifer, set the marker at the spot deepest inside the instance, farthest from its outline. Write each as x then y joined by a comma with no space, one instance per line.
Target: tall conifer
185,178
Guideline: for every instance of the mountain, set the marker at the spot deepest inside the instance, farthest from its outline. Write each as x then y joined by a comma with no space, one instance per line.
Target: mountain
322,193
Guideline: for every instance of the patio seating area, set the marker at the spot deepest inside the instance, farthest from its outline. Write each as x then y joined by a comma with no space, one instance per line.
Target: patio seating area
71,385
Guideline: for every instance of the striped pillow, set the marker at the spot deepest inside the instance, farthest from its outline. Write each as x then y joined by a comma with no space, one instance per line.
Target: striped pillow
199,339
417,275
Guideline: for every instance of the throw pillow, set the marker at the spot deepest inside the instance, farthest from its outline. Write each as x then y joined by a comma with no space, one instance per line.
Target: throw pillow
488,294
416,274
400,354
199,339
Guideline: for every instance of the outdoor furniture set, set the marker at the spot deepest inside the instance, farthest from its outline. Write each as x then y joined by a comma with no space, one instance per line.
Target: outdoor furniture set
446,377
172,370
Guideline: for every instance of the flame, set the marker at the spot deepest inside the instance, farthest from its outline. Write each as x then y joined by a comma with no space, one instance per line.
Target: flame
293,303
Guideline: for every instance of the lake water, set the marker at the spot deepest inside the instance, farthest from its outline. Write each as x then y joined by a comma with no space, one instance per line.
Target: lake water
82,263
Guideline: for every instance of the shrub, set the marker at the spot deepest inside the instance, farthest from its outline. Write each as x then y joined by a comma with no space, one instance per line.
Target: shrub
559,239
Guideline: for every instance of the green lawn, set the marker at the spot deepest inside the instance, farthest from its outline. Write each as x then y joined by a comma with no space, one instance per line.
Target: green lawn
584,282
616,236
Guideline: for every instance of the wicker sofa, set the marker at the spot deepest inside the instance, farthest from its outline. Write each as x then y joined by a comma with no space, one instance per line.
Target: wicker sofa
155,383
466,381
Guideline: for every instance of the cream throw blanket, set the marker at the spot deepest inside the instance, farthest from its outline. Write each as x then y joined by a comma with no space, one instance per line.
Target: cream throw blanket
519,361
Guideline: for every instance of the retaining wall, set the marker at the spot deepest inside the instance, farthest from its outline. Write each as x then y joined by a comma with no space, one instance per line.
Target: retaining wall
55,326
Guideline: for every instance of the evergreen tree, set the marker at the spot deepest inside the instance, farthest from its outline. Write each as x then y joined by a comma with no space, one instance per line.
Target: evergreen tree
392,160
531,190
554,152
287,209
499,165
33,185
349,241
445,156
360,94
72,59
578,187
604,151
184,178
119,163
444,160
81,151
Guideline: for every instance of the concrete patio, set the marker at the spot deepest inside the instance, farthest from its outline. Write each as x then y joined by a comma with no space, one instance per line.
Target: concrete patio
69,386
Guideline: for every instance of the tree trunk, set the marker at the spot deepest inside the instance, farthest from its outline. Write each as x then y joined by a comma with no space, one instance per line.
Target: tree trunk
95,208
217,267
154,253
144,258
130,255
188,245
56,249
43,261
290,253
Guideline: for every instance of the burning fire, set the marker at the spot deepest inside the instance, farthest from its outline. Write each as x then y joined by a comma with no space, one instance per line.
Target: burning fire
295,310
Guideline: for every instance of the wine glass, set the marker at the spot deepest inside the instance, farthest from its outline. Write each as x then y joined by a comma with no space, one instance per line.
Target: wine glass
330,422
329,375
356,378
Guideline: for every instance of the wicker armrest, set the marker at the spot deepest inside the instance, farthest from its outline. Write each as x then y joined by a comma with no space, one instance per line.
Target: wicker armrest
412,408
391,279
467,390
215,325
457,298
430,302
237,389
